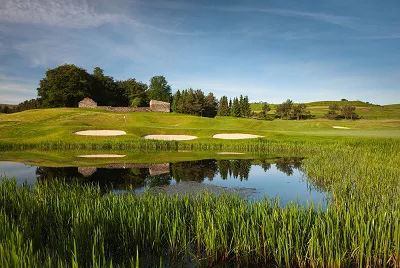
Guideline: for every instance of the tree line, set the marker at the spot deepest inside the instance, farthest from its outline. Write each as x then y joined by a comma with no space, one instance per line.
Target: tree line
194,102
238,107
68,84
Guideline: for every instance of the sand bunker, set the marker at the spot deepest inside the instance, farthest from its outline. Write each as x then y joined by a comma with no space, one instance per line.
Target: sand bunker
102,155
170,137
101,133
235,136
338,127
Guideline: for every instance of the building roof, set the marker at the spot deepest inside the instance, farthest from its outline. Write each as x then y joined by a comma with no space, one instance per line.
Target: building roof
88,101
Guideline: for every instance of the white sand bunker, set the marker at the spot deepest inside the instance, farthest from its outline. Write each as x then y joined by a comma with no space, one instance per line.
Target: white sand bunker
235,136
102,155
170,137
101,133
338,127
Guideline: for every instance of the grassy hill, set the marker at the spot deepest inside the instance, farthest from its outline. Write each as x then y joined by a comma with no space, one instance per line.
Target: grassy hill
364,109
58,124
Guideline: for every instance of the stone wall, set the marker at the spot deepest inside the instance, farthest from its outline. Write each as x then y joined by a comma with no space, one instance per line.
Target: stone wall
155,106
124,109
160,106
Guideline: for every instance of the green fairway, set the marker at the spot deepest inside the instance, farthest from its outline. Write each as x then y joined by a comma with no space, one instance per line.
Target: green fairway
59,124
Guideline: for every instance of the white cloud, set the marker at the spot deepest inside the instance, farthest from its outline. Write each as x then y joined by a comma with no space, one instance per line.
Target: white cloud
62,13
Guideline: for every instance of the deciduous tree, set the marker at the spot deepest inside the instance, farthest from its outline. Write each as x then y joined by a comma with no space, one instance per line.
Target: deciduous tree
159,89
65,86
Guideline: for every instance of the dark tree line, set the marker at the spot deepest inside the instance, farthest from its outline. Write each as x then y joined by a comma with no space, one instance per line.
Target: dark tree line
238,107
25,105
194,102
67,85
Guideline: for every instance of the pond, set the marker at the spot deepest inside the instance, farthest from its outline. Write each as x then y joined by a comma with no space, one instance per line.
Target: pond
279,177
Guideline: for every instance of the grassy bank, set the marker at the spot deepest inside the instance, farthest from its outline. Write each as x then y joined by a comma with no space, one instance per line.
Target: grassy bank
54,128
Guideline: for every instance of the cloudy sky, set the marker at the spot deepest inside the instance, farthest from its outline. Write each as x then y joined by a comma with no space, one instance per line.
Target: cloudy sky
270,50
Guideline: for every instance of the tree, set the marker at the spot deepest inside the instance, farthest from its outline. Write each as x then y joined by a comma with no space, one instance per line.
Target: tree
6,109
333,111
65,86
265,109
211,105
159,89
235,111
246,110
134,92
299,110
199,103
223,109
348,111
175,101
190,104
285,109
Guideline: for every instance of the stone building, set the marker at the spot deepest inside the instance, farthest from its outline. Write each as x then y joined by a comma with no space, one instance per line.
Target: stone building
159,106
87,103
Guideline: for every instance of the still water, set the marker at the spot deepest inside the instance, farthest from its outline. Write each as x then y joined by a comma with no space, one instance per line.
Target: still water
253,178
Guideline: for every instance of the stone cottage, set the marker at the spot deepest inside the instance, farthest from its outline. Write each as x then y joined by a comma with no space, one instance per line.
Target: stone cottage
160,106
87,103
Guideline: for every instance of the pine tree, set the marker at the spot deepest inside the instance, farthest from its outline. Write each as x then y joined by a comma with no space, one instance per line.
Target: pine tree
246,107
223,109
241,106
235,111
175,100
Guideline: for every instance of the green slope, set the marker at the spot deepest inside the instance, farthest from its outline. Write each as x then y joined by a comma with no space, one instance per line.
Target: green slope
58,124
364,109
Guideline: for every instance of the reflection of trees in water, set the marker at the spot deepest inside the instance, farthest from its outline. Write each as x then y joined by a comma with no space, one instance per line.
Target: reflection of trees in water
133,178
194,170
239,168
288,165
104,177
50,173
158,180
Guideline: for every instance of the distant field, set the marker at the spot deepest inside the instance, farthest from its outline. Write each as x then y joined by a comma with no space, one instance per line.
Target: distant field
365,110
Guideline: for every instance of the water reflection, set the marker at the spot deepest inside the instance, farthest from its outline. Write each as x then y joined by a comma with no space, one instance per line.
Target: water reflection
277,177
132,176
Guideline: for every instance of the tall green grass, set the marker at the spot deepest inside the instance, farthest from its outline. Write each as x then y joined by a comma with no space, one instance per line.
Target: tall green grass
55,224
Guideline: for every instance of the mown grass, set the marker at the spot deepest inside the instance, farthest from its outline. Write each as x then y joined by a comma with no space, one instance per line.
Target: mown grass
53,128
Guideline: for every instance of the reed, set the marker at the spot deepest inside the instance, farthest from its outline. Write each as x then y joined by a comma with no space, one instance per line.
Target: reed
59,224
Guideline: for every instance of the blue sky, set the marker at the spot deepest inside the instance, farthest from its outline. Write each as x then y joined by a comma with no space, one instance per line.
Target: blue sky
268,50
